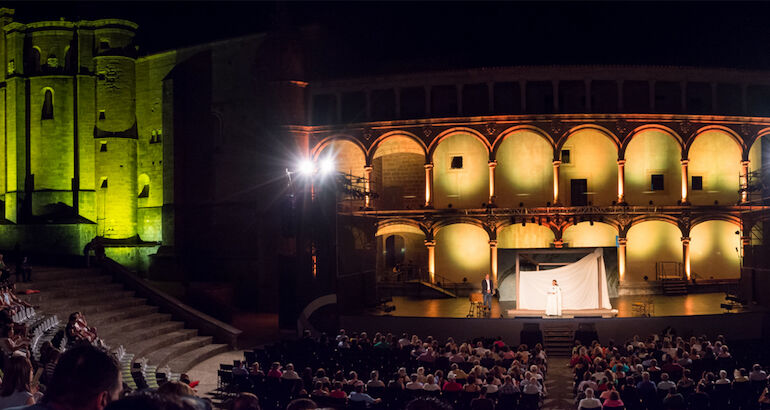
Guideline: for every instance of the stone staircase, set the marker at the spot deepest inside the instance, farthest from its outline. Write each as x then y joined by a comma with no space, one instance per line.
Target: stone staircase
558,340
120,317
674,287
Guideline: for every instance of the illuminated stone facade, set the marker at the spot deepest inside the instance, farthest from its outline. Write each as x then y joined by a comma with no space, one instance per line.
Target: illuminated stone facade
649,159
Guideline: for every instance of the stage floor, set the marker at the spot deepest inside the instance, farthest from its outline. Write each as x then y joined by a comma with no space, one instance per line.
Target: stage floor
685,305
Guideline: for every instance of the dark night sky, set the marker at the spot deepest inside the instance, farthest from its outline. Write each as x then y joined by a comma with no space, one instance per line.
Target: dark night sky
379,36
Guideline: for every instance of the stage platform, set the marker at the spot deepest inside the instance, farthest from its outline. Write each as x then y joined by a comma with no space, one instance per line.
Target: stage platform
690,315
657,305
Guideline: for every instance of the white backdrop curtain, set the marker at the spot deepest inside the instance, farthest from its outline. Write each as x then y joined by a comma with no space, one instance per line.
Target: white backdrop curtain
579,284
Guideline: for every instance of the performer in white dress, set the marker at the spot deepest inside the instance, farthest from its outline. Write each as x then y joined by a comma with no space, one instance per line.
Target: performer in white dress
553,303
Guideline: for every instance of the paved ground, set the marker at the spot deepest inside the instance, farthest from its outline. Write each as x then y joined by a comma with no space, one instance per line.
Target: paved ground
206,371
559,385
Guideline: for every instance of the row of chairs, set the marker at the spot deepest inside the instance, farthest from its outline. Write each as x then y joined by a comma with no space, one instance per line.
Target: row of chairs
40,330
24,315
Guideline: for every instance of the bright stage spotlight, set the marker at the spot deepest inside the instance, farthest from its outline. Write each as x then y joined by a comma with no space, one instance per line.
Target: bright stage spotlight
327,166
305,167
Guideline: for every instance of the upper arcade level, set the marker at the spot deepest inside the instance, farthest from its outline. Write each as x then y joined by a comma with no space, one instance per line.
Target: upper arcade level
541,90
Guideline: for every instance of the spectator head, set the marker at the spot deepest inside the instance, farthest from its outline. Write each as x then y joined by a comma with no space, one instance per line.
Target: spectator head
756,367
337,385
318,386
413,377
246,401
664,377
302,404
430,379
290,366
374,375
86,377
614,395
589,393
645,376
352,375
17,376
359,388
722,374
427,403
175,388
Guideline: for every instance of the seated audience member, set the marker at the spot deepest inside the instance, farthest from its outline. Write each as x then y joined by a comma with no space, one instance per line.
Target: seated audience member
757,374
358,396
451,384
249,401
17,388
430,384
240,369
413,383
86,378
613,402
665,384
337,392
482,402
319,390
10,342
589,402
256,371
674,400
175,388
289,373
508,387
532,387
374,380
275,371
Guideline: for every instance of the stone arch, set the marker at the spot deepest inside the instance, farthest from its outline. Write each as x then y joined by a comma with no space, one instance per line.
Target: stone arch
585,234
518,128
462,251
649,241
389,136
460,170
710,128
398,171
583,127
653,150
348,153
453,131
647,127
33,60
526,236
715,249
593,158
755,155
715,157
412,250
524,171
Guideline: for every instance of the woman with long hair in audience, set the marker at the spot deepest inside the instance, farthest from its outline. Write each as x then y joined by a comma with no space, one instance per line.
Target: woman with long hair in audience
10,342
17,389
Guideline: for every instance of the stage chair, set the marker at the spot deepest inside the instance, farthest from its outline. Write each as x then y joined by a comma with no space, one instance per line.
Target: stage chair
476,305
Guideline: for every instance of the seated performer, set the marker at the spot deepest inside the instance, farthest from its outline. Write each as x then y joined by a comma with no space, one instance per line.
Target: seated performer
553,303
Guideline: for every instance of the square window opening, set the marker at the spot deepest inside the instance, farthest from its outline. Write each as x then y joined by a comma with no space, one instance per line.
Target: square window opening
103,147
566,157
102,115
697,183
457,162
656,182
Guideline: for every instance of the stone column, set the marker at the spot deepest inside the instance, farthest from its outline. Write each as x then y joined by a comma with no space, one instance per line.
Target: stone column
431,245
368,186
744,181
686,256
493,260
685,182
492,166
622,259
556,183
621,181
429,185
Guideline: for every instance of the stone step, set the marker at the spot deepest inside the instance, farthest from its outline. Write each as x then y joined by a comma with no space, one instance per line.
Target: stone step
146,328
149,345
90,308
70,282
163,356
65,292
187,361
102,318
132,324
42,274
88,299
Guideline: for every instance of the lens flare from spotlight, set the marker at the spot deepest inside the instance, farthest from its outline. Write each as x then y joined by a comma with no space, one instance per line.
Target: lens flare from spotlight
305,167
327,166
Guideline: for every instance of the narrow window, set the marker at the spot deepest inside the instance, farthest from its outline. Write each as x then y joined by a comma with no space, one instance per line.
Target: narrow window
48,105
103,147
457,162
697,183
657,182
102,115
565,156
153,136
145,191
104,183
